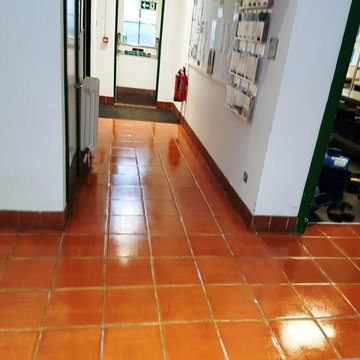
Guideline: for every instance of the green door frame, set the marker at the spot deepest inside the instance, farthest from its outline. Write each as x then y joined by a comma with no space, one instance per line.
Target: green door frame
328,120
68,184
67,141
159,48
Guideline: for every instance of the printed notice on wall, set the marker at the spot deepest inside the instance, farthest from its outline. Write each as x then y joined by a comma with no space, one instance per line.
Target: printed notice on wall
212,29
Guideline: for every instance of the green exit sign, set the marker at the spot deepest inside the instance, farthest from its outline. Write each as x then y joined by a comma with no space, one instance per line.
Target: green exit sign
148,5
137,53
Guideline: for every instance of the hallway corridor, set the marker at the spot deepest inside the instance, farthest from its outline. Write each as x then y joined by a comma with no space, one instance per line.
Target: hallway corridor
156,264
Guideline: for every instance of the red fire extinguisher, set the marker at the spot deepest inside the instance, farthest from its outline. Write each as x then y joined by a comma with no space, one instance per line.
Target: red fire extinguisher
181,85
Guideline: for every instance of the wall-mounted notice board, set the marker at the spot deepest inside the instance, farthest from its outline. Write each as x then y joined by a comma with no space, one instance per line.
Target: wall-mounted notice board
212,33
228,40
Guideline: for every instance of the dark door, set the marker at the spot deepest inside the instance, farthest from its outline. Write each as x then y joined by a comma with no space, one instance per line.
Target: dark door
74,73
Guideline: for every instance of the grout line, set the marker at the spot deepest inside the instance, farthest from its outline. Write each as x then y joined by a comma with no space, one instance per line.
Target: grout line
50,290
7,258
266,321
274,339
161,330
105,250
221,343
113,257
334,284
293,286
313,318
136,287
205,199
173,322
346,256
316,321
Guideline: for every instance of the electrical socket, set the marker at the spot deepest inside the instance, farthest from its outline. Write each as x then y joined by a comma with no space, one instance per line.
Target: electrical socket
245,177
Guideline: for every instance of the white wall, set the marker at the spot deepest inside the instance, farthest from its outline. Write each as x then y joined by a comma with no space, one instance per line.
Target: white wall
304,91
275,149
32,170
175,45
103,58
235,145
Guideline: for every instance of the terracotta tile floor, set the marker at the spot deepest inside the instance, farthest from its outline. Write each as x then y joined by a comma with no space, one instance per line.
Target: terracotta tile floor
155,264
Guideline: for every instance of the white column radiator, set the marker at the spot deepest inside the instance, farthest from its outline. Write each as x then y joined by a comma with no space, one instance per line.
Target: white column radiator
89,114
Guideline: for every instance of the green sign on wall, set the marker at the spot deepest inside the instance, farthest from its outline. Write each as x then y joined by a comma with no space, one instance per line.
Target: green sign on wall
148,5
137,53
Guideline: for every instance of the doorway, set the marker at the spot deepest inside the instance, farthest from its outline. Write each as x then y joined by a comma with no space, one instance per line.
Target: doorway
339,182
74,72
316,196
138,44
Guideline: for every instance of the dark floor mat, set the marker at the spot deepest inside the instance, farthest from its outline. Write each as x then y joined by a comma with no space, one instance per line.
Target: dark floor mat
135,113
138,99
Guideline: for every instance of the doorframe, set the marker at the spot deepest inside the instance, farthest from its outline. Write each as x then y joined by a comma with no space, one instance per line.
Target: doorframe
159,48
115,46
87,37
78,16
66,93
328,120
76,159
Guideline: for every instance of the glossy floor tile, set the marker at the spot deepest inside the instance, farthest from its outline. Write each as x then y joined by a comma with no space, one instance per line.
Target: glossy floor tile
83,246
75,308
130,306
302,339
325,301
134,343
344,335
70,344
192,341
27,274
185,273
249,340
21,309
39,246
232,303
280,302
129,245
156,264
18,345
183,304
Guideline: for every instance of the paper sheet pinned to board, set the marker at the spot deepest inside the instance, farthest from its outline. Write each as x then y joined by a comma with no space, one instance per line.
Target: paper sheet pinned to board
227,40
219,40
213,34
229,33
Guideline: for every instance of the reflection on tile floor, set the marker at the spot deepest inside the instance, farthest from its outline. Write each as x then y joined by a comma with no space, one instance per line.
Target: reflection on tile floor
155,264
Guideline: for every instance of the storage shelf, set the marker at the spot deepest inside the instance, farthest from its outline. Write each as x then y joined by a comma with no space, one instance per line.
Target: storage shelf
247,52
242,78
249,40
236,112
253,51
248,8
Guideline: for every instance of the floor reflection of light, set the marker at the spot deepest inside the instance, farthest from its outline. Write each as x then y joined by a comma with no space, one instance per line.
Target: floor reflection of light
128,250
329,330
124,260
299,334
